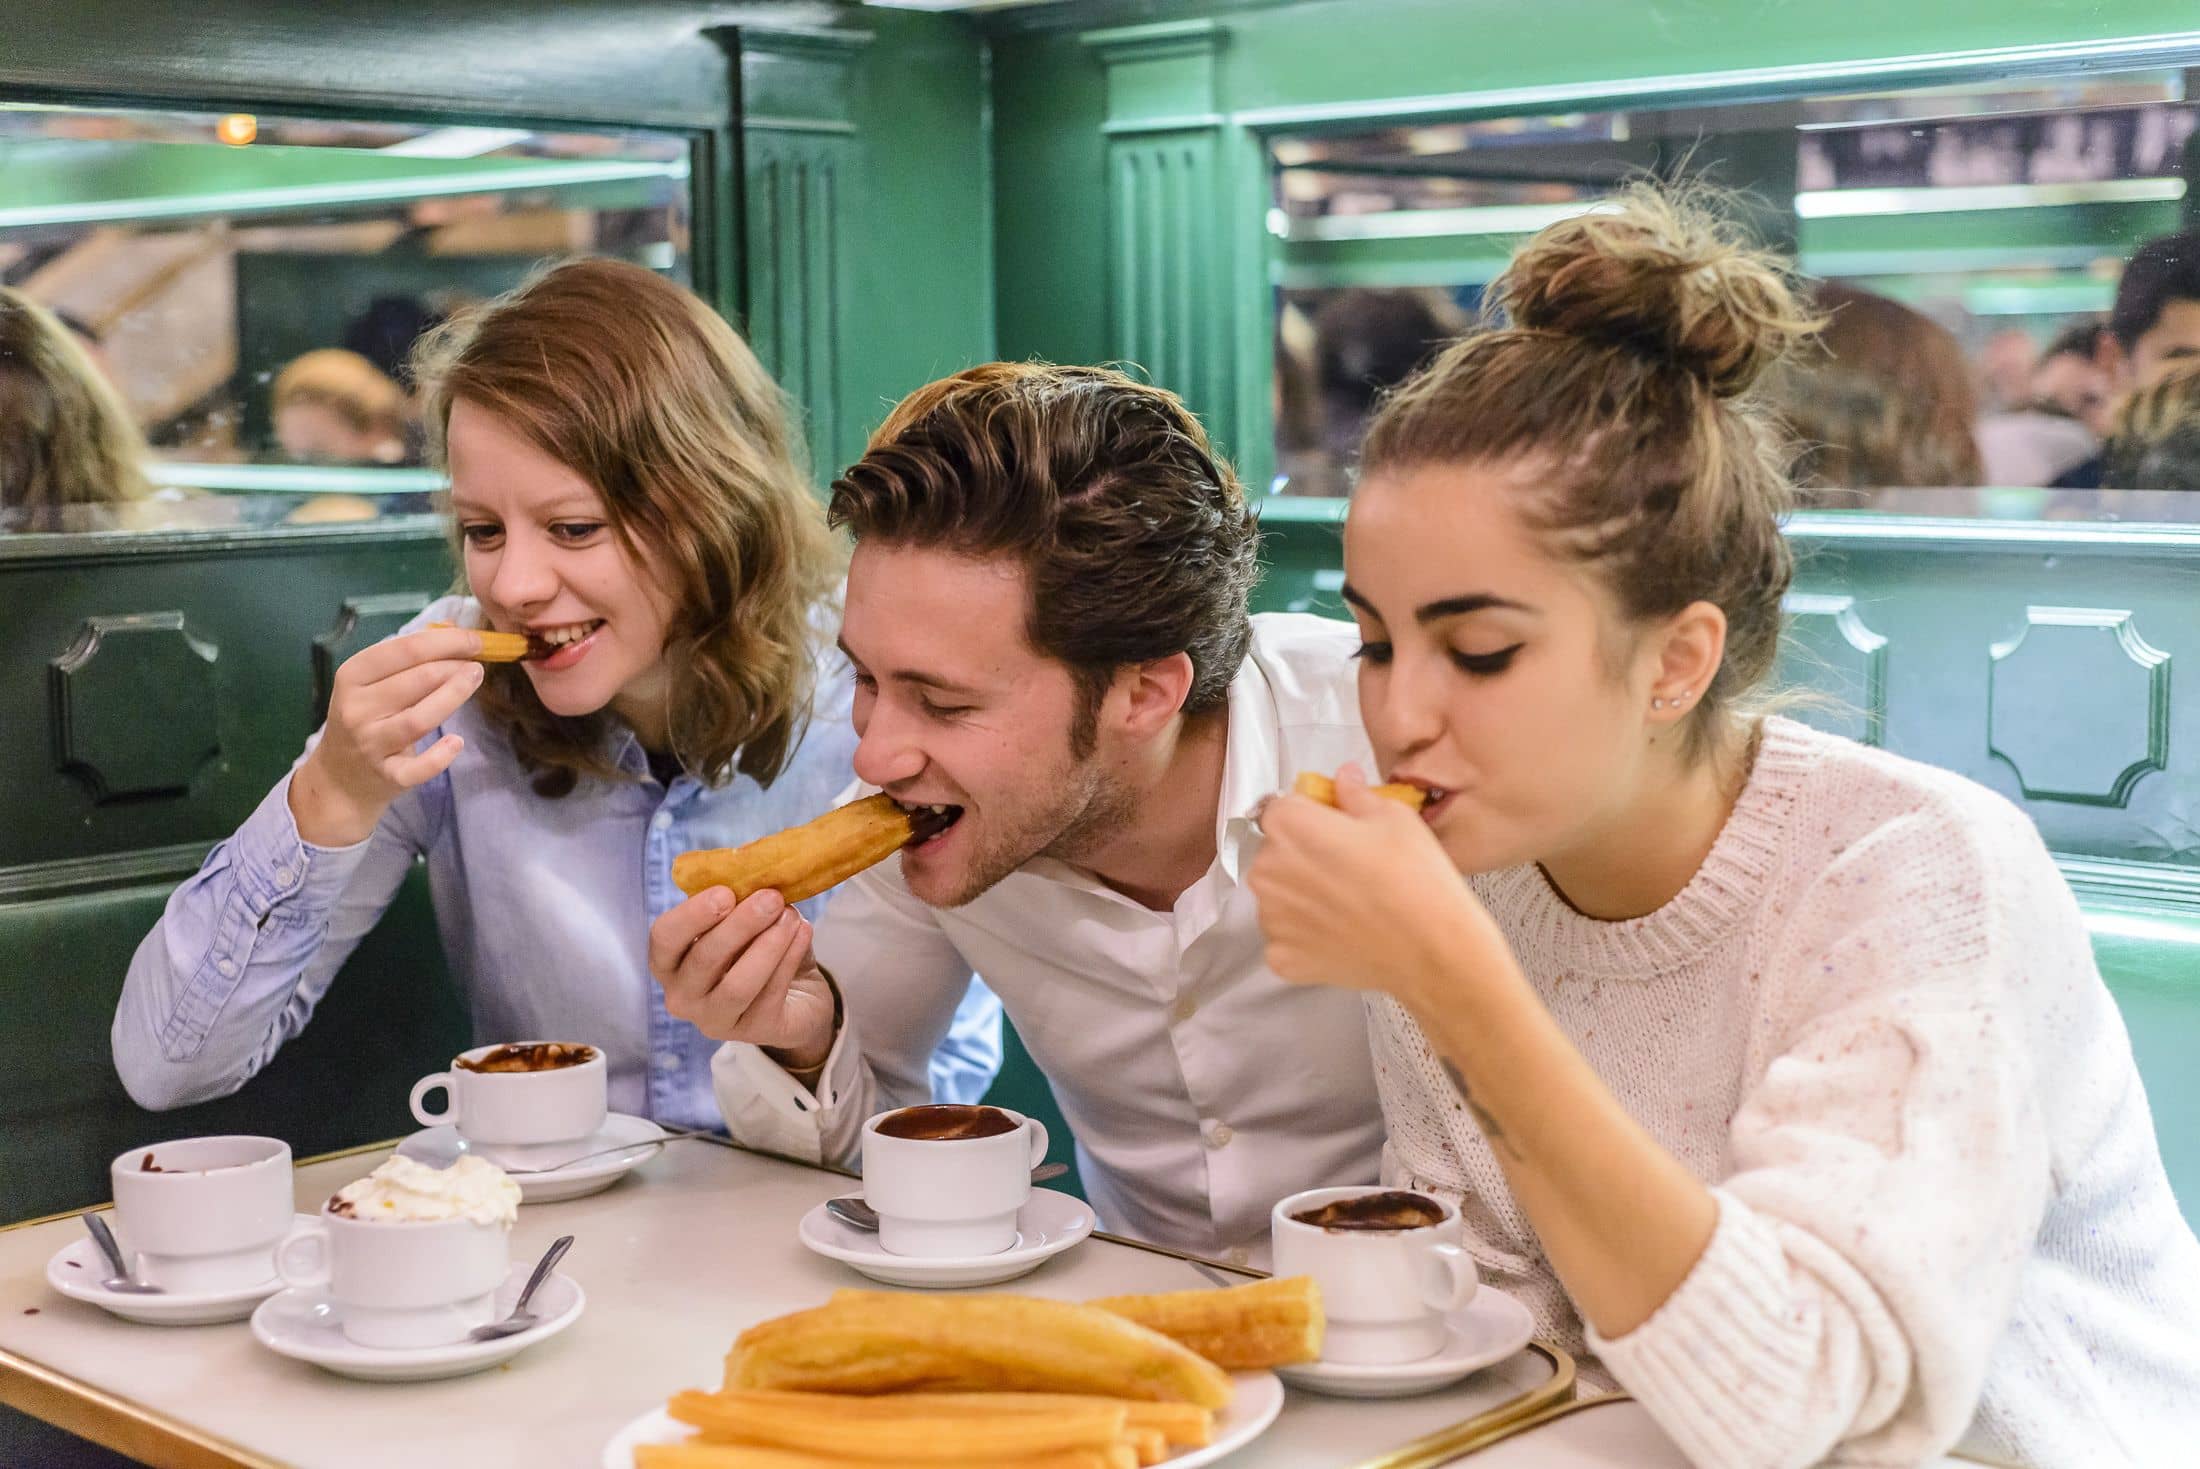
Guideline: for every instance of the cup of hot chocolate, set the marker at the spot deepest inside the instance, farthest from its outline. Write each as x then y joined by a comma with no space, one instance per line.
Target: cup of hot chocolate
519,1095
203,1213
947,1181
1389,1265
411,1256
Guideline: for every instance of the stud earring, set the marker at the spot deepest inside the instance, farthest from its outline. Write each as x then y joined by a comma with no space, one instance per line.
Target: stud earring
1657,703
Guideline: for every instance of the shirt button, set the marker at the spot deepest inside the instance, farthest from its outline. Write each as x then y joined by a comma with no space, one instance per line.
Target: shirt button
1219,1134
1183,1010
662,821
1238,1255
227,966
285,874
668,1063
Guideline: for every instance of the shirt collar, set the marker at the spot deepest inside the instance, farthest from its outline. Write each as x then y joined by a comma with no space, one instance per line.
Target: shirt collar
1251,764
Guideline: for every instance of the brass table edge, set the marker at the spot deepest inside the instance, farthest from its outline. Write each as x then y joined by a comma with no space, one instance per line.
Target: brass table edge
116,1422
1538,1405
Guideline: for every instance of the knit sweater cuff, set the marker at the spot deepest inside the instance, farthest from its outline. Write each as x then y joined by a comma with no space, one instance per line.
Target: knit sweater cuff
1724,1363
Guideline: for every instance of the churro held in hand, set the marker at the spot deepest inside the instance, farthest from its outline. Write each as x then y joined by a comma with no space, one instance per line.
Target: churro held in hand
804,861
503,647
1321,788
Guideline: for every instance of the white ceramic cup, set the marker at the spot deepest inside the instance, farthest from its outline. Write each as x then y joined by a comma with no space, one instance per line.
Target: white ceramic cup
1385,1292
518,1108
206,1216
950,1198
401,1284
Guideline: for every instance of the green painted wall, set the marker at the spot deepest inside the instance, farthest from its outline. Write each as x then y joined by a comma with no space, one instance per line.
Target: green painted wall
1295,65
922,272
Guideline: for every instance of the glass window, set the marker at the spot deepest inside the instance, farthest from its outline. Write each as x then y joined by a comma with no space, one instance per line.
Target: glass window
246,290
1968,242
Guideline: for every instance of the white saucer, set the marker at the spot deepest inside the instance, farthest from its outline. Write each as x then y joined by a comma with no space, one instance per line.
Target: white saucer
77,1269
302,1323
1491,1328
1259,1397
1049,1224
440,1146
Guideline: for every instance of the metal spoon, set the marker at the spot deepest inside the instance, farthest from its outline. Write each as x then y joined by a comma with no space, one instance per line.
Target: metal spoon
850,1209
121,1280
436,1157
521,1318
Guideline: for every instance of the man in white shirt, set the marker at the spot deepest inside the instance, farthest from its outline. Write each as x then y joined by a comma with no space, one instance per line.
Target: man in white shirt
1046,613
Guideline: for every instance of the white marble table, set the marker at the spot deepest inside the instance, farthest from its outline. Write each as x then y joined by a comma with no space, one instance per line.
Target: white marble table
690,1248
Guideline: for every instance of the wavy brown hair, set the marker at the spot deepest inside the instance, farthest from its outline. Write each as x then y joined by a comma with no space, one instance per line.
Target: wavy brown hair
1888,403
1624,351
65,436
1134,535
641,389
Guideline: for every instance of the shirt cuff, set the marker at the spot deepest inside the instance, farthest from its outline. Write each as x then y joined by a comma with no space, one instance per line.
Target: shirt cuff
275,865
1721,1363
768,1109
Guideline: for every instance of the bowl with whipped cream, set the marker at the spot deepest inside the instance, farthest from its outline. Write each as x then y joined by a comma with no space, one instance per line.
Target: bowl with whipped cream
411,1256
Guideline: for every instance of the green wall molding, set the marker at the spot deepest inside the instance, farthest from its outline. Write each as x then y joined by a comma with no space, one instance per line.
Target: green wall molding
2078,721
133,706
1174,180
801,148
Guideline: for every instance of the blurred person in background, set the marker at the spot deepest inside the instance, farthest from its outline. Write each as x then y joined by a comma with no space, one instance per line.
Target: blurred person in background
2058,425
71,457
2155,444
1887,403
2154,325
333,406
1365,343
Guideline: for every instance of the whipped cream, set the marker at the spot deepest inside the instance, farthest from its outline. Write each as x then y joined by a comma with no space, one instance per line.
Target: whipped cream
407,1191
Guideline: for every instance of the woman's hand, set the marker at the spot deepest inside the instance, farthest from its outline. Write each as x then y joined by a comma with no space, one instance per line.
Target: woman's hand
384,700
1362,895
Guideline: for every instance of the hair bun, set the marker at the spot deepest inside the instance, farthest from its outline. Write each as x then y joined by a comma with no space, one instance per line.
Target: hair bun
1667,278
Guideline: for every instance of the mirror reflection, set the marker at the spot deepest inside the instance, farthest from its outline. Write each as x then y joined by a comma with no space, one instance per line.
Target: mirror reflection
206,319
2009,274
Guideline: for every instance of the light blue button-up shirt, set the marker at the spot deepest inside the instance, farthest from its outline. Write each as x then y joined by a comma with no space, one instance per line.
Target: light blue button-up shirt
544,908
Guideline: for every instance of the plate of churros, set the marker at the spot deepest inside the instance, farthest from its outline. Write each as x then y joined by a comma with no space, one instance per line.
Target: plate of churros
872,1379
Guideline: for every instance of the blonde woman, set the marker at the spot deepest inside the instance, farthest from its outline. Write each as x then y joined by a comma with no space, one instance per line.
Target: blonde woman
66,440
1772,1070
625,487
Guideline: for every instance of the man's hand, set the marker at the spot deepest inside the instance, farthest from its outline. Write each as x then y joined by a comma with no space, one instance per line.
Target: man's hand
743,972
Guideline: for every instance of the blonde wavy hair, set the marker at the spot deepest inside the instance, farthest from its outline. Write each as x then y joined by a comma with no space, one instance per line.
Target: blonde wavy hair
65,436
640,388
2155,441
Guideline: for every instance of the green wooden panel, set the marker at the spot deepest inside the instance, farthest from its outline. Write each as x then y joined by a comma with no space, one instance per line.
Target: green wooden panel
258,599
920,273
797,244
133,704
391,1016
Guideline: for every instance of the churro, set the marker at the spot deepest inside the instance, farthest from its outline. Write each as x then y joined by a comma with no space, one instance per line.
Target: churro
873,1342
805,860
503,647
1321,788
1268,1323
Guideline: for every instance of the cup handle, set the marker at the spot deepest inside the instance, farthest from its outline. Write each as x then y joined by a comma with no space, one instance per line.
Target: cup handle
420,1091
1038,1140
315,1236
1450,1279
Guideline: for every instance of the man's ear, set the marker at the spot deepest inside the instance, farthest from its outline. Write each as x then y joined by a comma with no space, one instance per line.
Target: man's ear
1148,695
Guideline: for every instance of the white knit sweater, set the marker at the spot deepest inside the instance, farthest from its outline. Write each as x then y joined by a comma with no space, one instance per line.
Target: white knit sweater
1872,1023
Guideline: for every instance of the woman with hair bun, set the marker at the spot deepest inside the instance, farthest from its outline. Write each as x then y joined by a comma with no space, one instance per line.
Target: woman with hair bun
626,491
1772,1070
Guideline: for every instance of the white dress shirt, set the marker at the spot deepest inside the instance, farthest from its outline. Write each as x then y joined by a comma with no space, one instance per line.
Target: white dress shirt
1201,1087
